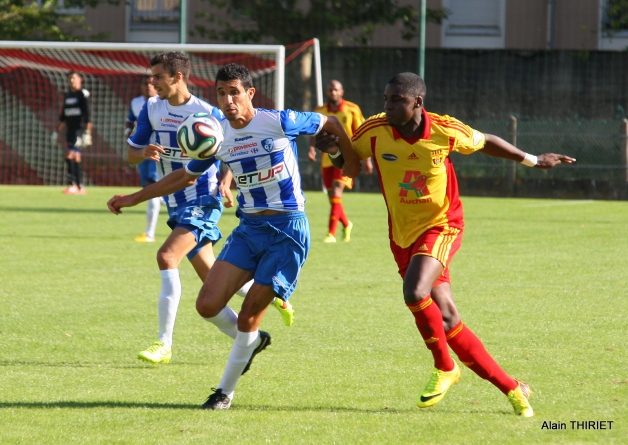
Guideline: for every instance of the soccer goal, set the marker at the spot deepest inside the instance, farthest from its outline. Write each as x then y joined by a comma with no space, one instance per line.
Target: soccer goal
33,81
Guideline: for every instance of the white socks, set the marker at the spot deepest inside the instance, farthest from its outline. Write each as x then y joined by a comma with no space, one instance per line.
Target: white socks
152,213
245,289
226,321
243,347
168,303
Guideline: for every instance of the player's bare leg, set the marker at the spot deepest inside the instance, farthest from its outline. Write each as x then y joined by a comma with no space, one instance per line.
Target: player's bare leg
211,303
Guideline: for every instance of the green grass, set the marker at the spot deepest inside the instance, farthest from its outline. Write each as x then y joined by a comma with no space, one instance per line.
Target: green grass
543,283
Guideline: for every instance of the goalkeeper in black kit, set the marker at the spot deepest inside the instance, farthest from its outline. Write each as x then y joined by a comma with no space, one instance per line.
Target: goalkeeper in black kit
75,116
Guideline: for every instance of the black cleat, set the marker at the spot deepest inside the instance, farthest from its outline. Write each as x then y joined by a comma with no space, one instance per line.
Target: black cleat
217,400
264,341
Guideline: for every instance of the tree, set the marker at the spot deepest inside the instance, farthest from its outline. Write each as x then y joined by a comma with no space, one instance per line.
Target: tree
27,20
615,17
293,21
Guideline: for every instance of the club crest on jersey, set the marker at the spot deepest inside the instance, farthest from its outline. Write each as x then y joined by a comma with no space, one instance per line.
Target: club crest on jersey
437,157
416,182
197,212
268,144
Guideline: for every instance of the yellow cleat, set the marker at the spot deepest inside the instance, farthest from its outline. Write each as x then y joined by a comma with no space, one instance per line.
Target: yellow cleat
437,387
156,353
329,238
143,238
286,311
518,398
347,232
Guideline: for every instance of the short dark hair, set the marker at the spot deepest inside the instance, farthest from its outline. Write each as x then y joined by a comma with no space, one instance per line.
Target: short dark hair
410,83
234,71
73,72
174,62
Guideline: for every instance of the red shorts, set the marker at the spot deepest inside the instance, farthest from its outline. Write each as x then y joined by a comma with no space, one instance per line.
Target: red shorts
441,243
332,174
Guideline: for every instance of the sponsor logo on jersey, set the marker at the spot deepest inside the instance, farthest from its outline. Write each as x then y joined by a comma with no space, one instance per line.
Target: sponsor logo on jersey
168,120
175,115
243,139
242,147
175,154
261,178
416,182
71,100
292,116
423,248
268,144
74,111
389,157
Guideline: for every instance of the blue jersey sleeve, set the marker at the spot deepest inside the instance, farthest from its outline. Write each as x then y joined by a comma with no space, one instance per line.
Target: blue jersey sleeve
297,123
218,114
143,131
131,117
197,168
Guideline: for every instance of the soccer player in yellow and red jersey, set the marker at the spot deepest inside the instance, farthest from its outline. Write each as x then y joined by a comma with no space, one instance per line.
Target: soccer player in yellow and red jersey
350,116
410,148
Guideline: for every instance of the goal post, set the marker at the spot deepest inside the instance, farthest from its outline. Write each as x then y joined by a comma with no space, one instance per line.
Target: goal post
33,81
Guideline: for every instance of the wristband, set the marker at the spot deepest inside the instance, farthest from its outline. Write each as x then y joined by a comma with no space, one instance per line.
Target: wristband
529,160
128,131
334,156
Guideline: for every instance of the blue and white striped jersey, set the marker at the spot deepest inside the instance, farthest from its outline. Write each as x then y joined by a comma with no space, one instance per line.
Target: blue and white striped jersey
263,158
160,118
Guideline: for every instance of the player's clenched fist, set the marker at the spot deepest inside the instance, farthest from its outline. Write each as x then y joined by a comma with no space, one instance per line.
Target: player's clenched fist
120,201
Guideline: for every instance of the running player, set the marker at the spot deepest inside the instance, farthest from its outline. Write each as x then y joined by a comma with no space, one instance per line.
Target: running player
272,240
75,116
410,148
350,116
193,212
147,168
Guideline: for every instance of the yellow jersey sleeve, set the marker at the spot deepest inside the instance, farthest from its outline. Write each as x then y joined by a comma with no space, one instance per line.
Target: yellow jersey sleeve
467,139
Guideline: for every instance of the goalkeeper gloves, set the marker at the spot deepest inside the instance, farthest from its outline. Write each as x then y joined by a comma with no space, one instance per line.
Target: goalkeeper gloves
86,139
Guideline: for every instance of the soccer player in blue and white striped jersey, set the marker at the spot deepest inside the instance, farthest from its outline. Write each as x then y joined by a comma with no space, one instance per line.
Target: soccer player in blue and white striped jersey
271,242
194,211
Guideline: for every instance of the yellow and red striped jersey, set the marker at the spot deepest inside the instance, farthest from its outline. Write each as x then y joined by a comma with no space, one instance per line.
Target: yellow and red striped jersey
416,176
349,115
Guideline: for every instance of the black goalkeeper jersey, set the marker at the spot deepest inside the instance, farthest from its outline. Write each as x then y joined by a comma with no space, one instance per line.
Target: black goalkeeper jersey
75,113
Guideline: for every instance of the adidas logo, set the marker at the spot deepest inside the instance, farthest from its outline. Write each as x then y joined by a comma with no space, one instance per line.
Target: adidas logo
413,157
423,247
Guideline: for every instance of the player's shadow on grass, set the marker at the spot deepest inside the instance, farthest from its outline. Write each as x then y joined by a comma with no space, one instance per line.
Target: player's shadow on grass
196,407
65,210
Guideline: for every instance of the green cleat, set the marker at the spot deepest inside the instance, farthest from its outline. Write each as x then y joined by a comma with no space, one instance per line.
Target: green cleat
329,239
347,232
518,398
286,311
437,387
156,353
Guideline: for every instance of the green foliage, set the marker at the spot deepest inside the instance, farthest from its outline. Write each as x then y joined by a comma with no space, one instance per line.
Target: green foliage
26,20
541,282
289,21
616,16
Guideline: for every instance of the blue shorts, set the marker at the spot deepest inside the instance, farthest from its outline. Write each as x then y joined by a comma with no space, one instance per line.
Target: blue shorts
148,172
201,220
273,247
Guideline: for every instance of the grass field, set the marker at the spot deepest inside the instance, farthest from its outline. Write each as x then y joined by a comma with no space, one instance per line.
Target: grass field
542,282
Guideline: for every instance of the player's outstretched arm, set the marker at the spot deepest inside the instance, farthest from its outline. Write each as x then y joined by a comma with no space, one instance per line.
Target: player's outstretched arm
351,166
497,147
177,180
